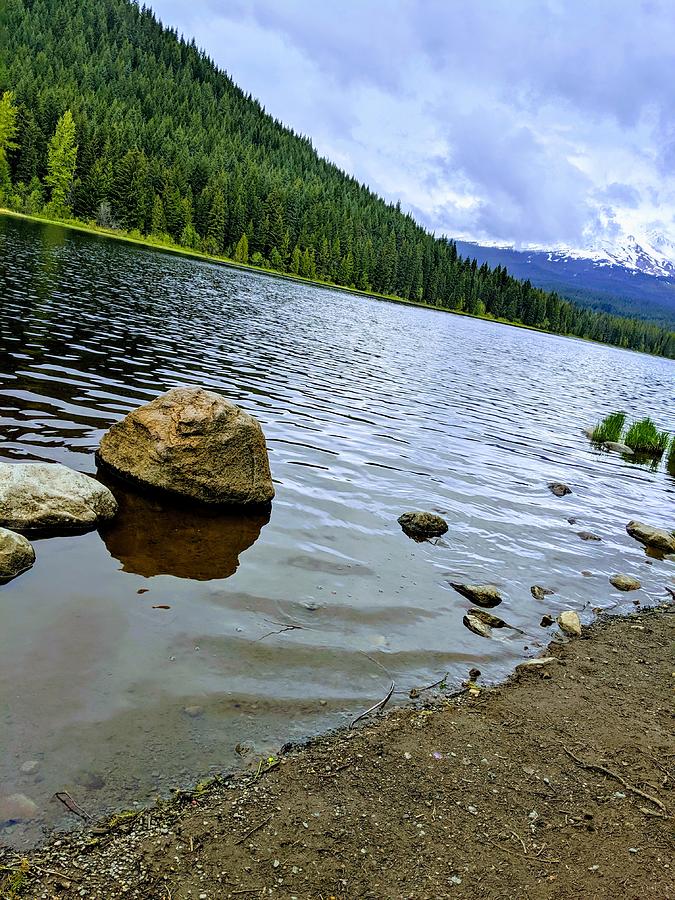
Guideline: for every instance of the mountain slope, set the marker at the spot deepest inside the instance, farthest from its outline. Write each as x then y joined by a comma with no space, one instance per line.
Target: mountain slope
167,145
626,280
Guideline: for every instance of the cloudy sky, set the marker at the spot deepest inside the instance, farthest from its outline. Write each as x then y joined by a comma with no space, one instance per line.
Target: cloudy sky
521,121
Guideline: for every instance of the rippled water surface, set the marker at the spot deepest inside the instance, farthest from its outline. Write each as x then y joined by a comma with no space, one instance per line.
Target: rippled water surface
369,409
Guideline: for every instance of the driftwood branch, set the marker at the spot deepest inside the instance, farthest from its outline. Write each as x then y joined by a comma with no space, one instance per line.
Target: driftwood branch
375,707
594,767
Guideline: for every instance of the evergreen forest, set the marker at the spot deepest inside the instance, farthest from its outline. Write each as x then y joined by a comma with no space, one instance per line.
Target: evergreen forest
109,118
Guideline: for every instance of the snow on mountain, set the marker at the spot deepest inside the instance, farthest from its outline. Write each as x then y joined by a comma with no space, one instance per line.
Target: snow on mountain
651,254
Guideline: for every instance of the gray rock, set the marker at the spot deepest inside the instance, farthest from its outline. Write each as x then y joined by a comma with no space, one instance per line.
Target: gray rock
539,592
194,711
658,538
559,488
473,623
625,583
570,623
16,554
618,447
30,767
51,496
537,662
589,432
485,595
193,444
588,536
422,525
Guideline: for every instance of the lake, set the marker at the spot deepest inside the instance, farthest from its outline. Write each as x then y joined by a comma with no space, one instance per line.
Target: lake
370,409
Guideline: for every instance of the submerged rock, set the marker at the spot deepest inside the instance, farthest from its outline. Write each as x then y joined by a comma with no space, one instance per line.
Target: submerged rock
16,554
658,538
194,444
559,488
539,592
485,595
618,447
35,496
17,808
625,583
422,525
570,623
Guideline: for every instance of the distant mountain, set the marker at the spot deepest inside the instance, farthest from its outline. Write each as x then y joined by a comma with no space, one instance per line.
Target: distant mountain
631,278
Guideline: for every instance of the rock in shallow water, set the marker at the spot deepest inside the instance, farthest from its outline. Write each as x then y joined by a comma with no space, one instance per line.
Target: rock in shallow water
51,496
618,447
625,583
658,538
16,554
485,595
473,623
17,808
570,623
539,592
422,525
194,444
559,488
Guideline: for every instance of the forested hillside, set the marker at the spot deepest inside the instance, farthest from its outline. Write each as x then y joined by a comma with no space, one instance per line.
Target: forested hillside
108,117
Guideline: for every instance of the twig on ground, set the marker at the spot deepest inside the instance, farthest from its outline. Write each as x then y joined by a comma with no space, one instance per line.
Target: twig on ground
254,829
595,767
376,706
427,688
335,771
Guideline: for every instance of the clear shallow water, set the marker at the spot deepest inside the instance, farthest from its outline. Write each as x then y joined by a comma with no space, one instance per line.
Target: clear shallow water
369,409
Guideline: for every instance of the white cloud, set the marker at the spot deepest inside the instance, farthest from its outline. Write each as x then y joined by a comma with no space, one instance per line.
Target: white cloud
495,121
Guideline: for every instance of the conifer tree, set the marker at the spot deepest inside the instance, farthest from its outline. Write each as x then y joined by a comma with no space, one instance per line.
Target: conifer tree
8,130
241,250
61,160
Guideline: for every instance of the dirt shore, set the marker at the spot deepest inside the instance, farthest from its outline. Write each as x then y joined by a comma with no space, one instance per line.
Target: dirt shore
557,784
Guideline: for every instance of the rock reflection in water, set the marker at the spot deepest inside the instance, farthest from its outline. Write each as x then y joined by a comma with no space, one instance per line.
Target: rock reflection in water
153,536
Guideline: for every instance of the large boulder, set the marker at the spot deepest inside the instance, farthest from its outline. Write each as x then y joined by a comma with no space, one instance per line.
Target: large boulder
652,537
49,496
194,444
16,554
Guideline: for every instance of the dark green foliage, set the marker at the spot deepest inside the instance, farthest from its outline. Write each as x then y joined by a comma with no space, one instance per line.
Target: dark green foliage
644,437
611,428
168,145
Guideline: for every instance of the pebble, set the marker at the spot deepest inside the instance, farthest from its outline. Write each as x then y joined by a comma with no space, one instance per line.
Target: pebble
30,767
193,711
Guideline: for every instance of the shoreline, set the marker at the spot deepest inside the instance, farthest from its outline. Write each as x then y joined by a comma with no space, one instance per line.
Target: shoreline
556,783
124,237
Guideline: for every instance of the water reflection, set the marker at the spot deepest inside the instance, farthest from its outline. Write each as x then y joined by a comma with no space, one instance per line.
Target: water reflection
152,536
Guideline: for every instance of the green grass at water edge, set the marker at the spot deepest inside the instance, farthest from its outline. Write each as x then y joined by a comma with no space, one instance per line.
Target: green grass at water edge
644,437
610,429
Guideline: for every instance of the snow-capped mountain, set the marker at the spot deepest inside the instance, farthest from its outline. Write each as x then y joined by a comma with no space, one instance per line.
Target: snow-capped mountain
633,276
652,254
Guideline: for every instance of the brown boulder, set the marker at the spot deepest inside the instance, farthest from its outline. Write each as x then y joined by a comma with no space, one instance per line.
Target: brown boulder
194,444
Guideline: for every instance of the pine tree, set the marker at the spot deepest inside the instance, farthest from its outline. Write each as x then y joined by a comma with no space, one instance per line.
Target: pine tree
241,250
8,130
61,160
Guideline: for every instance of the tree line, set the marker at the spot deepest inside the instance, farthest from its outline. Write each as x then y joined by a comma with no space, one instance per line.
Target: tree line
108,117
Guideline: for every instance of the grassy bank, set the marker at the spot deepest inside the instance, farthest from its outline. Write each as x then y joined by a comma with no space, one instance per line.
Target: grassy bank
118,235
556,785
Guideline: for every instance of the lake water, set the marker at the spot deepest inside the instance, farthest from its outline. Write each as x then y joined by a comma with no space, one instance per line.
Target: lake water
370,409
